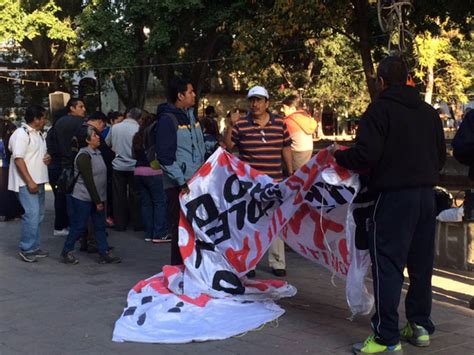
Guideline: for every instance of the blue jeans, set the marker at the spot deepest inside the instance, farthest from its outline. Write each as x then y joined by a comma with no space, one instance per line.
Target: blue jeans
83,210
33,204
154,208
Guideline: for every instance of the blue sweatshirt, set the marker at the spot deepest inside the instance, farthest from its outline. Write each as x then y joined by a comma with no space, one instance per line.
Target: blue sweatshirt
179,144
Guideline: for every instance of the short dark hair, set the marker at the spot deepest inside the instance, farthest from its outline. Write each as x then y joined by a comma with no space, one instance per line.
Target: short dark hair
293,101
98,115
34,112
210,110
393,71
73,102
176,86
113,115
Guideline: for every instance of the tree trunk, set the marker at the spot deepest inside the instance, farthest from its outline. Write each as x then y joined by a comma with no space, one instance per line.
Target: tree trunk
361,29
429,85
40,49
131,87
200,69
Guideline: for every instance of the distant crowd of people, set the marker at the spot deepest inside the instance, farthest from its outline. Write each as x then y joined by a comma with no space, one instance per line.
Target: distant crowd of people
128,170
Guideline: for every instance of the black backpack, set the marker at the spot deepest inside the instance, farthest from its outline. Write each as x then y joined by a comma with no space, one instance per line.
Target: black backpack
149,141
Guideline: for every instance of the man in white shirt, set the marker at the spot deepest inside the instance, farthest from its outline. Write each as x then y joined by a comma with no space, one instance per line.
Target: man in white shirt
27,177
126,199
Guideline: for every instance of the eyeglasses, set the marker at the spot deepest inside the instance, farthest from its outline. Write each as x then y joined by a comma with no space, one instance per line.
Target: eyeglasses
262,132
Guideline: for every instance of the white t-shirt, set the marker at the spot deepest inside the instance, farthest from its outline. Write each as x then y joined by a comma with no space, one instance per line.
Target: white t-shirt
29,144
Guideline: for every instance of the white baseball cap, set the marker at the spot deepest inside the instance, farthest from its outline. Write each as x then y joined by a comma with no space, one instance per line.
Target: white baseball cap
259,91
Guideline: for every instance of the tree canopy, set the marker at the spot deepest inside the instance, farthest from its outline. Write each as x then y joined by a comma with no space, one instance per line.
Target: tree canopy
324,50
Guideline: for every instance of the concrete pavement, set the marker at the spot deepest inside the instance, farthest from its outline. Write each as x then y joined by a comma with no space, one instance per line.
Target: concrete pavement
51,308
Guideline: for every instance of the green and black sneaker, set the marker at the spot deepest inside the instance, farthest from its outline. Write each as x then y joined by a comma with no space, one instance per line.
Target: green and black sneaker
415,334
370,346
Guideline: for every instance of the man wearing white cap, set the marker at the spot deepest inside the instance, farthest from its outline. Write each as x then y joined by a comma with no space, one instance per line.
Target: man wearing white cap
262,140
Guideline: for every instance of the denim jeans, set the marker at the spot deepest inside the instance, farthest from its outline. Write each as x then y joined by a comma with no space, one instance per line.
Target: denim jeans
33,204
154,208
83,210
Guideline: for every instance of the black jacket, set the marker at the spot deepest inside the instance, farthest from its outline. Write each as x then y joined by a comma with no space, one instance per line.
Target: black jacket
400,140
463,143
65,128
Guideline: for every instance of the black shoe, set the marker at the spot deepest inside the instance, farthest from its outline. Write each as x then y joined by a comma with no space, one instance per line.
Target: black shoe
109,259
69,258
279,272
28,257
92,249
40,253
251,274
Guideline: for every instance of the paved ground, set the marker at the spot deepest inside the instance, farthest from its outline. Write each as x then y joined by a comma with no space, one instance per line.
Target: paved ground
51,308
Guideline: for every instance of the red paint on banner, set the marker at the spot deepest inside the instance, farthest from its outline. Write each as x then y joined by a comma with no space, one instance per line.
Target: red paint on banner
294,182
205,169
240,171
170,270
343,251
258,285
223,160
322,225
281,220
200,301
311,177
270,234
302,249
322,157
258,245
237,258
187,249
295,221
298,199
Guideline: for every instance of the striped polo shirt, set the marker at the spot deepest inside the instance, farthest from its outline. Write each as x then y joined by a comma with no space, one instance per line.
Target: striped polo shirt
261,147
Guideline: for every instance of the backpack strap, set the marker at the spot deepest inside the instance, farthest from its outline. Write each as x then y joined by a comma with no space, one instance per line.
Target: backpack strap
28,133
173,118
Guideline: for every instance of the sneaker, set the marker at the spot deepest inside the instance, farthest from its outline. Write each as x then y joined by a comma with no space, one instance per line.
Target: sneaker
29,257
148,239
165,239
40,253
61,232
415,334
69,258
109,259
370,346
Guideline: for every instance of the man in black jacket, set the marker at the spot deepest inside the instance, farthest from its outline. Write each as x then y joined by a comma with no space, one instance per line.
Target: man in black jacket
401,141
66,127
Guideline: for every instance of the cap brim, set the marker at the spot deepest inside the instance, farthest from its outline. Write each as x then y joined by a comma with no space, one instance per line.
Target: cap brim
259,96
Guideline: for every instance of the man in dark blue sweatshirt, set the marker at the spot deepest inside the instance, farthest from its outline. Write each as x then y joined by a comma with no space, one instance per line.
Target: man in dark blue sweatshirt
401,141
180,150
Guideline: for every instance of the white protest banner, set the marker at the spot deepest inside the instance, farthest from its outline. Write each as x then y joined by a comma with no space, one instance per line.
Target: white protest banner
228,221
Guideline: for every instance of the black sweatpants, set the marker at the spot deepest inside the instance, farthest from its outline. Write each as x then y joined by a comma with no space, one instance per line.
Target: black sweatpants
126,201
61,219
173,222
402,233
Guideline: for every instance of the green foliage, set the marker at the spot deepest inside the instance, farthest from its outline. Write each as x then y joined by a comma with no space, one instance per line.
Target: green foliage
17,23
293,46
448,55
